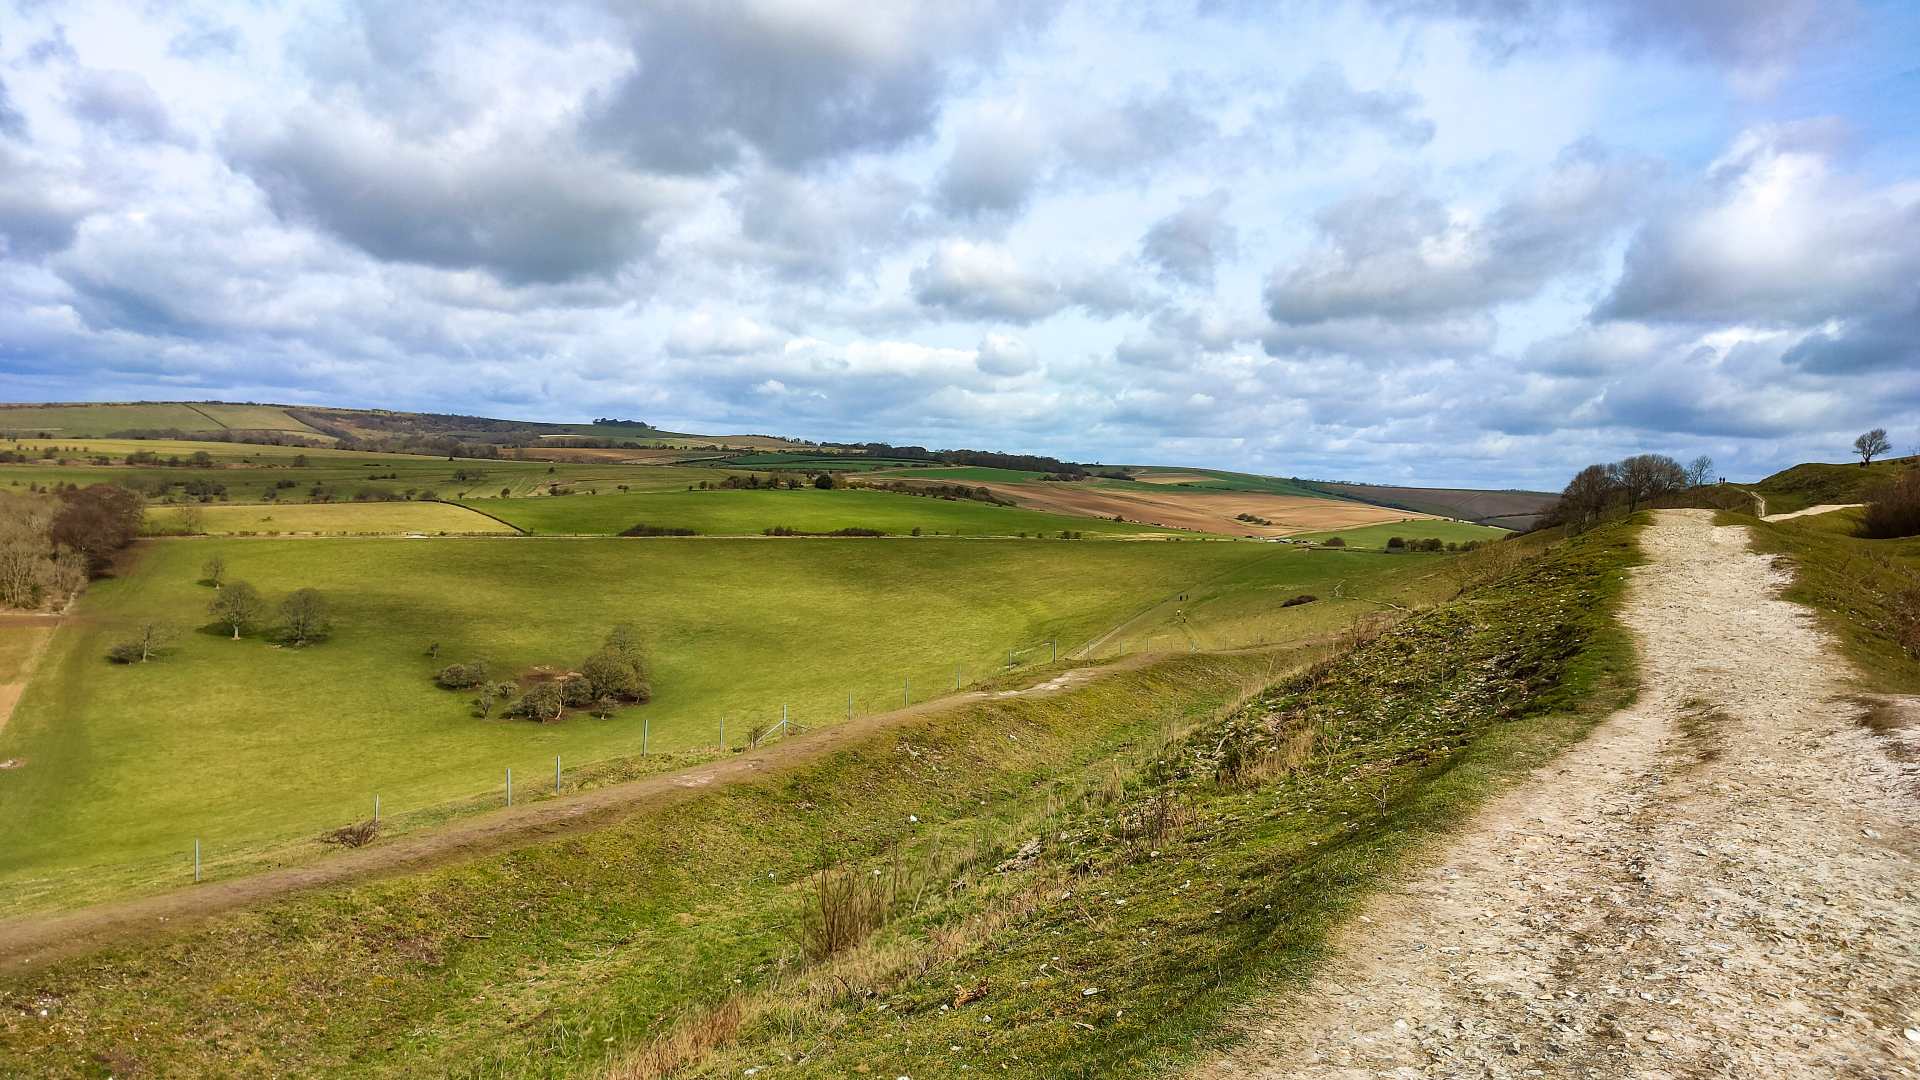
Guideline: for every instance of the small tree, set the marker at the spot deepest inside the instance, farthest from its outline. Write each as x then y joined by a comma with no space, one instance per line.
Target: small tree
143,646
824,481
1333,541
193,521
1700,471
1871,445
304,615
1647,476
214,571
542,702
237,607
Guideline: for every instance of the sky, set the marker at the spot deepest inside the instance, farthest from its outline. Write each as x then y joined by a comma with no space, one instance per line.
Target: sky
1474,242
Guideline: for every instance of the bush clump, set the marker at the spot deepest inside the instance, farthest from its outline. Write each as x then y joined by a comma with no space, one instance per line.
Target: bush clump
462,676
644,529
1893,509
1303,598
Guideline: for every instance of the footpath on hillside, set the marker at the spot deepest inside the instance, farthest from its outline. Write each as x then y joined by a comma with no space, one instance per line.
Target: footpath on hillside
1723,880
36,938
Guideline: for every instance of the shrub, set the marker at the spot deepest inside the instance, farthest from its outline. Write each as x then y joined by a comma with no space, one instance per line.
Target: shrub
1396,543
1303,598
542,702
1893,509
643,529
576,692
462,676
353,836
1333,541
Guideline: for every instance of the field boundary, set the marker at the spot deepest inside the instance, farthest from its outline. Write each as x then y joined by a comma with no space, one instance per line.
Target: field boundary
518,531
29,940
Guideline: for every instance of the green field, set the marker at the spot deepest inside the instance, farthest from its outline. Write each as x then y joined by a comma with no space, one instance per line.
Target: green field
246,745
967,474
749,512
325,519
1222,480
66,421
816,462
254,473
1376,536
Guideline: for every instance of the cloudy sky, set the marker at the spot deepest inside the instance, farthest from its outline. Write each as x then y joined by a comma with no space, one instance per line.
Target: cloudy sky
1438,241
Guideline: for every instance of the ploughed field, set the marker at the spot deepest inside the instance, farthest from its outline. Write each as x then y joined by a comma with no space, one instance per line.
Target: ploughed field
255,748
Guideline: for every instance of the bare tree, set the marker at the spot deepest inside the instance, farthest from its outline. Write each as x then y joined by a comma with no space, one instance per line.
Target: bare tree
151,638
193,521
304,614
1647,476
1699,471
1585,497
239,607
214,571
1871,445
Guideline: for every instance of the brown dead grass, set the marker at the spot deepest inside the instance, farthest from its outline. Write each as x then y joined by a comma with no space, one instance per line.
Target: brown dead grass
1202,511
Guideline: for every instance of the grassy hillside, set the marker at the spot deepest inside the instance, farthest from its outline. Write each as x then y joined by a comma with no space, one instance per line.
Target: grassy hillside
1032,861
1376,536
1220,480
1867,592
248,745
249,473
80,421
1505,509
323,519
1814,483
749,512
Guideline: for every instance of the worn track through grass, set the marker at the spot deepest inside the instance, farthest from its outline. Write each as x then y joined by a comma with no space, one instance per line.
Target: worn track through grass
1640,909
35,939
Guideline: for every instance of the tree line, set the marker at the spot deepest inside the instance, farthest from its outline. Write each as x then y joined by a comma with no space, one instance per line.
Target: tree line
52,543
1627,484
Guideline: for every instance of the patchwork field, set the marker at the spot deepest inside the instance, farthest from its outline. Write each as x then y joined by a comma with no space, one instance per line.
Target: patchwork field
1202,511
324,519
1506,509
67,421
240,472
750,512
253,747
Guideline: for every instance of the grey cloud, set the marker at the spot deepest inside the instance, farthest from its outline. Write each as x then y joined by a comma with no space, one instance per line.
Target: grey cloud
1877,343
1188,243
1137,132
1001,354
1400,254
39,210
11,121
1775,238
984,283
796,84
993,169
120,102
526,213
1324,101
819,227
1749,36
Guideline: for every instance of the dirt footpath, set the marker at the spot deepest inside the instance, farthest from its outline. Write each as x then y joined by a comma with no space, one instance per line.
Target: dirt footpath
1723,881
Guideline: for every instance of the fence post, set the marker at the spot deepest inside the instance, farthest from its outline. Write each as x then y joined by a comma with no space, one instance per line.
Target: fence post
646,732
849,704
1053,651
509,785
196,860
376,809
906,695
723,734
556,774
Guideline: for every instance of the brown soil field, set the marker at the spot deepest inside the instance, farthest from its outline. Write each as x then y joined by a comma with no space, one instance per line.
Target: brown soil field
1172,478
1507,509
1203,511
630,455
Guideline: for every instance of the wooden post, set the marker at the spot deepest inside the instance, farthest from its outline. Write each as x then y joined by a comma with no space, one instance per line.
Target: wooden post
556,774
196,860
509,785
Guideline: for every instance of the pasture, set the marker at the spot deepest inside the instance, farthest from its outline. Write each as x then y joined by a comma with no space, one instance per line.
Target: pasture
256,749
1376,536
732,512
324,519
1215,511
71,421
249,473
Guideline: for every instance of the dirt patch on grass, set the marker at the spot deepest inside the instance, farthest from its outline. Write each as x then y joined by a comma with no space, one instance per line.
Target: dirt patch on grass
1202,511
